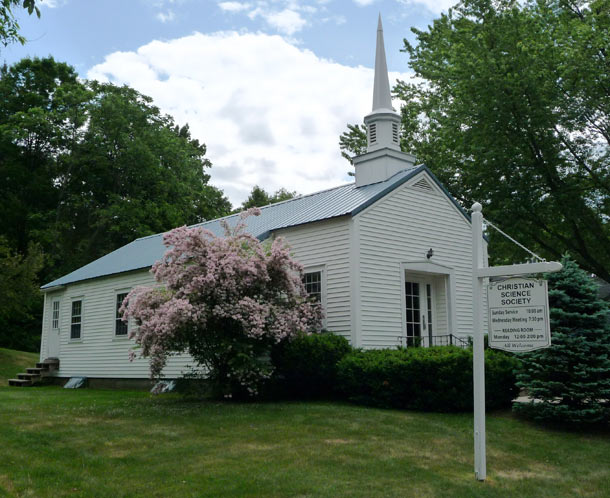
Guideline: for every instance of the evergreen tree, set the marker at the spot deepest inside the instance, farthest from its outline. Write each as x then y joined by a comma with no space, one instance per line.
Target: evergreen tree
570,380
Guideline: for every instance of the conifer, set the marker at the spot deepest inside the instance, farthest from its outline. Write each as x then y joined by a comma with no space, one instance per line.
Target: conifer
569,382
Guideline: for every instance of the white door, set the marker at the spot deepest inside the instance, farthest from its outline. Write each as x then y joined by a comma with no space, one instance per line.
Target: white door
419,311
55,330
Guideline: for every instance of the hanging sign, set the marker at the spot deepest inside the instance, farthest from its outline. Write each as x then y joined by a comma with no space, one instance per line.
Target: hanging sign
518,314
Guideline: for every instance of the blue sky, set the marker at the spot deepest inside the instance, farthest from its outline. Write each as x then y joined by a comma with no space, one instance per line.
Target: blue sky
267,85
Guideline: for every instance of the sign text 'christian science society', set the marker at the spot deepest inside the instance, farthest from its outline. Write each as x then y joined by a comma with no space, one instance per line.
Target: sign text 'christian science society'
518,314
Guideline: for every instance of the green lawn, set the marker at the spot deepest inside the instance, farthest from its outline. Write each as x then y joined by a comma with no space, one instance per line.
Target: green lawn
59,442
14,362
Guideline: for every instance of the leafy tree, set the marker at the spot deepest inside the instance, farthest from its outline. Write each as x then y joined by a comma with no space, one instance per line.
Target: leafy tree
225,301
572,377
87,167
133,173
259,197
353,142
9,28
513,111
41,118
21,300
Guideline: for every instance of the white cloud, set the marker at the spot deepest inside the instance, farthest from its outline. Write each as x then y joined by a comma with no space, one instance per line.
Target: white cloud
270,113
285,16
166,16
287,21
434,6
364,3
52,4
234,6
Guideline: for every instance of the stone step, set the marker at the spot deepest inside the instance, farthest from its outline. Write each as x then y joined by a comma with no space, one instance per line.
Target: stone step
30,376
19,382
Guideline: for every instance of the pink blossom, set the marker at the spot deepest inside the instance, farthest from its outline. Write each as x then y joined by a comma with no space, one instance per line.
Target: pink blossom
214,290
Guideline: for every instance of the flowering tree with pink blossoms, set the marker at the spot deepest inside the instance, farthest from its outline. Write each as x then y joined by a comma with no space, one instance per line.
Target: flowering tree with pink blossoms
225,301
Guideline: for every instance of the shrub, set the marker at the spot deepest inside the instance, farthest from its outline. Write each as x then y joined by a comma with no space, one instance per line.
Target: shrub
306,365
429,379
225,301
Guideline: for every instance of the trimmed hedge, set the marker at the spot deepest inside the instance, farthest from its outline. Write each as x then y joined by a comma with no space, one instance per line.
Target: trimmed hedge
428,379
306,365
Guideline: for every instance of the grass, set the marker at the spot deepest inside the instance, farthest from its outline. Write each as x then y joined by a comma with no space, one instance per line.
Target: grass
14,362
91,443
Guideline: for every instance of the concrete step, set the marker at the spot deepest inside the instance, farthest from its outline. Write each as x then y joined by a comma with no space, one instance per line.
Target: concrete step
48,365
30,376
19,382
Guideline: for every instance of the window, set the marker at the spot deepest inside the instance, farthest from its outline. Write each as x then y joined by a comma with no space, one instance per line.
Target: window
55,316
77,319
120,327
313,285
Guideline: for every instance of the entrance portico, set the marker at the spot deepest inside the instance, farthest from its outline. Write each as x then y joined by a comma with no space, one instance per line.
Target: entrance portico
427,304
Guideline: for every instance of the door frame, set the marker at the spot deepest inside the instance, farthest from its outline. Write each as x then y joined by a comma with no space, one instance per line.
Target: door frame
426,269
54,336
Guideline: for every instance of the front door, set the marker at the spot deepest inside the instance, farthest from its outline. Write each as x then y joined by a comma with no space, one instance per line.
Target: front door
55,330
419,316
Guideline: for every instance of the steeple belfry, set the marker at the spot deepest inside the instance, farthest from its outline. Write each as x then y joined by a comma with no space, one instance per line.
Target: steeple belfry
383,158
383,124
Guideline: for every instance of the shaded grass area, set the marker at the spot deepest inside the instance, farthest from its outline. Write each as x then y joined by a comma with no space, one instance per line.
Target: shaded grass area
58,442
14,362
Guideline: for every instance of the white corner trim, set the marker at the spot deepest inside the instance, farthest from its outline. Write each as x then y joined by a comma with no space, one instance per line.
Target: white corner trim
354,272
45,314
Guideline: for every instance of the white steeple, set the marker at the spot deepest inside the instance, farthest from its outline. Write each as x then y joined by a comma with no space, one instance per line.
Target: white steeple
382,98
383,124
383,158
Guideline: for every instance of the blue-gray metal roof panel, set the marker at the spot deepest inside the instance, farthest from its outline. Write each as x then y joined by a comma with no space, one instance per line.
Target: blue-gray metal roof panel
339,201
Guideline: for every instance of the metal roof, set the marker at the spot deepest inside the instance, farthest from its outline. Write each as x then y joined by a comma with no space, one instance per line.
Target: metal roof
339,201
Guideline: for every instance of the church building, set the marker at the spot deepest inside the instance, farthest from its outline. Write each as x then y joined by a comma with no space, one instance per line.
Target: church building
389,256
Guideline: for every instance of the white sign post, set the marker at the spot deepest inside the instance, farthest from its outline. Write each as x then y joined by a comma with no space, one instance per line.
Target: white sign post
479,273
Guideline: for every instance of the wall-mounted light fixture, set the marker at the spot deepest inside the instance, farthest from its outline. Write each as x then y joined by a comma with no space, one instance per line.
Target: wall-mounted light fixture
430,253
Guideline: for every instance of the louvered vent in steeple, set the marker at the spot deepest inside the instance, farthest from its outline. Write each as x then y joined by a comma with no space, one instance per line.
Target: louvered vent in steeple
372,133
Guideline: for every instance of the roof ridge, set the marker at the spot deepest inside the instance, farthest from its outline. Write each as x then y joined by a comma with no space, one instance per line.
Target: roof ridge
306,195
262,207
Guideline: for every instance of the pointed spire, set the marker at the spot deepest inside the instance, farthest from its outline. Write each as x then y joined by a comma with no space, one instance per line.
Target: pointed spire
382,98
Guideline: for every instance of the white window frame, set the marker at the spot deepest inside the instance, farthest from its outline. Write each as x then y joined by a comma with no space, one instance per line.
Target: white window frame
322,270
54,325
117,292
82,318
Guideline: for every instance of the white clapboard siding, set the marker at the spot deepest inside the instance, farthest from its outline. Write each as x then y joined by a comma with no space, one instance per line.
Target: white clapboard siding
326,243
100,353
402,227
